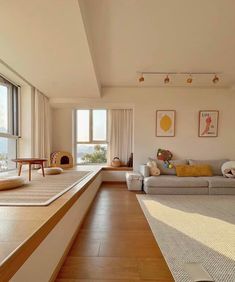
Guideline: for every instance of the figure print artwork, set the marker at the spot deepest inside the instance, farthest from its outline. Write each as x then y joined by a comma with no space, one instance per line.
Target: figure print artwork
208,123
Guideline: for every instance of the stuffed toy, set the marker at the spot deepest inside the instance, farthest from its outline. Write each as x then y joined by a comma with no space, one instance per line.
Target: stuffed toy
165,156
153,169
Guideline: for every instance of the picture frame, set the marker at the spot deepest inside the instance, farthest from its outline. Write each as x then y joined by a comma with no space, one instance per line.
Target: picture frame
208,123
165,123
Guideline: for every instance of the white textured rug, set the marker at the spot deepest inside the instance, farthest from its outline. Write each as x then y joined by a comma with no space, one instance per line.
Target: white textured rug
194,228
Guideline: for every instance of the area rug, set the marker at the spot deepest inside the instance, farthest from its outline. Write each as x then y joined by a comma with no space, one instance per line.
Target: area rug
193,228
41,191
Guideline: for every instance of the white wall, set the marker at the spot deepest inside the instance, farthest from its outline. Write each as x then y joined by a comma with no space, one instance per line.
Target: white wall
145,101
110,175
62,130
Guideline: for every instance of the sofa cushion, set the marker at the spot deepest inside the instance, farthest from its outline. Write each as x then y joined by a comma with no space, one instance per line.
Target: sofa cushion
193,170
220,182
175,181
214,164
168,171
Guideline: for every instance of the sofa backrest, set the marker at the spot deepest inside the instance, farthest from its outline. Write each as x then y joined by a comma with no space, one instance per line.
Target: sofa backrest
214,164
169,171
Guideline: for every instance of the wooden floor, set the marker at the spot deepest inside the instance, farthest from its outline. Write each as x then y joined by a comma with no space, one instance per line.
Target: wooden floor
115,243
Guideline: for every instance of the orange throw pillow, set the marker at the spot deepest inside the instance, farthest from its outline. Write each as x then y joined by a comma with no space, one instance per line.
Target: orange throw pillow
193,170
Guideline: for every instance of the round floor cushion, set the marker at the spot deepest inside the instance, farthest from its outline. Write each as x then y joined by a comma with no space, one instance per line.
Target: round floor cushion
51,170
11,182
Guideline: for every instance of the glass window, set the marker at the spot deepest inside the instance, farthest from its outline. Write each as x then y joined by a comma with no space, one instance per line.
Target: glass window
7,153
91,136
83,124
4,105
99,125
91,153
8,124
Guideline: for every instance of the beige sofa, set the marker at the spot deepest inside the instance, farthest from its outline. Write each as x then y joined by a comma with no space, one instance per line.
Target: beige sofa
169,183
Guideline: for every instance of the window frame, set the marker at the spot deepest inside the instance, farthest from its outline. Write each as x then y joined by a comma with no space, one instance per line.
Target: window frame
13,130
91,141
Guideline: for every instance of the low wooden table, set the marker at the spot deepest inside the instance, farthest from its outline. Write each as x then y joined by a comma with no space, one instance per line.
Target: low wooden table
30,162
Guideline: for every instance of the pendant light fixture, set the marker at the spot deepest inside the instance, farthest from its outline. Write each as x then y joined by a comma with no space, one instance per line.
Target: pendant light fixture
215,79
167,79
189,79
141,78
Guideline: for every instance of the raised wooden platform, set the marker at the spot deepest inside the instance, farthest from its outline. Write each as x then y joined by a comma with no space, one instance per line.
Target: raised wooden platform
24,228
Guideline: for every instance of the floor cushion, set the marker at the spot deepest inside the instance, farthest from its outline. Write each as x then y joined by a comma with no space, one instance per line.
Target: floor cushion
11,182
51,170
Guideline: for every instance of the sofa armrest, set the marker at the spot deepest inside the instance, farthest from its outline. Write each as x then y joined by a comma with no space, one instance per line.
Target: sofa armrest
144,170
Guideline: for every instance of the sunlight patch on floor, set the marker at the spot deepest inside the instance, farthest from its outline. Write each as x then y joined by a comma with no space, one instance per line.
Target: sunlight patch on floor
215,233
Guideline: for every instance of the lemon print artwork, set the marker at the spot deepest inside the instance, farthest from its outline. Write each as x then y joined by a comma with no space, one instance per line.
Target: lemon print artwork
165,123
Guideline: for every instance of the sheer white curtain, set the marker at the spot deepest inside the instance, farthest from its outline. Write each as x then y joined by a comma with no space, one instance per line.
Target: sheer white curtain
120,134
42,128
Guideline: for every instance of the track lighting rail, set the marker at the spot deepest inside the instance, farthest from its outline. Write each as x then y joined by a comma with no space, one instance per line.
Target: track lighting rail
189,74
183,73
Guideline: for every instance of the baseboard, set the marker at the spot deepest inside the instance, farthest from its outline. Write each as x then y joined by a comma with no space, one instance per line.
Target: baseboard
65,254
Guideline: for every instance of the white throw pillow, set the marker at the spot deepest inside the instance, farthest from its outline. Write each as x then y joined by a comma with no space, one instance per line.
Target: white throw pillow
11,182
228,169
51,170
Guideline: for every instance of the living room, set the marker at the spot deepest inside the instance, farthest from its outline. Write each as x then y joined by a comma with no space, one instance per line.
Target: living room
108,94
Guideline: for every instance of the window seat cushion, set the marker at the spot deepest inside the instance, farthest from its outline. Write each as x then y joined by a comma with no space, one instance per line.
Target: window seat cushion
11,182
51,170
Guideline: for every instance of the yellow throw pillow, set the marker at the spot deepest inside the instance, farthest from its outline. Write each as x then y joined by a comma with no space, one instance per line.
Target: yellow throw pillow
193,170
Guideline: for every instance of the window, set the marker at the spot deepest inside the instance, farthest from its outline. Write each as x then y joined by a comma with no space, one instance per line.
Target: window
9,127
91,136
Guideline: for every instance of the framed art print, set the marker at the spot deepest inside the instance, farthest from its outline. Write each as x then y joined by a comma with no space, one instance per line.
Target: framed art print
165,123
208,123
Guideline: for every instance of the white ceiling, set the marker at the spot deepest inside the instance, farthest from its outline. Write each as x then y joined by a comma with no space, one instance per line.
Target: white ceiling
67,48
45,42
158,35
